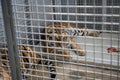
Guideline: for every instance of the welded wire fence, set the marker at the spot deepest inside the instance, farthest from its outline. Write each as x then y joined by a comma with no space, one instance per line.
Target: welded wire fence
60,39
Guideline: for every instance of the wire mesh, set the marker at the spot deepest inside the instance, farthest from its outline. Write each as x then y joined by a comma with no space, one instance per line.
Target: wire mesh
5,72
67,39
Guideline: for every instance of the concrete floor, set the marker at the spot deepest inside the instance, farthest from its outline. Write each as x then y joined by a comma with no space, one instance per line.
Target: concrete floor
96,48
75,72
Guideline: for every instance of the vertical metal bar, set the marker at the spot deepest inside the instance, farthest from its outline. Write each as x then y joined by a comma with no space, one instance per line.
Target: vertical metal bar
118,63
94,45
57,9
85,39
104,3
111,36
11,39
118,60
28,21
53,3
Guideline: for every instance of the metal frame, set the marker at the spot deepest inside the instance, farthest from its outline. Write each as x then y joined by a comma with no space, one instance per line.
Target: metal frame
11,39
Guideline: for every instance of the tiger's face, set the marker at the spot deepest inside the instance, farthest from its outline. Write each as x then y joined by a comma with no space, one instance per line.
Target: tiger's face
57,35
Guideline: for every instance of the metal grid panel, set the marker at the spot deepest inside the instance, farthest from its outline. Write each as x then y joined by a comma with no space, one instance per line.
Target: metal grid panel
5,72
31,17
2,32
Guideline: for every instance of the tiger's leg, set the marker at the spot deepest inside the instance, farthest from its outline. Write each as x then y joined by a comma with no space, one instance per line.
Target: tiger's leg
58,54
79,51
63,55
50,66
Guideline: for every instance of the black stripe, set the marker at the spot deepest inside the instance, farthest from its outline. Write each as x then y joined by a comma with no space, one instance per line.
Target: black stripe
83,33
78,32
53,76
51,68
75,32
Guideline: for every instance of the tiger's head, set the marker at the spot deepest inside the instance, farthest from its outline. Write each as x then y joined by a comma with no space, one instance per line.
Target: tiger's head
57,34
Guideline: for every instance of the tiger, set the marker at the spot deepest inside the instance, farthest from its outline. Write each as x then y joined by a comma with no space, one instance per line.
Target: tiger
4,74
28,60
59,39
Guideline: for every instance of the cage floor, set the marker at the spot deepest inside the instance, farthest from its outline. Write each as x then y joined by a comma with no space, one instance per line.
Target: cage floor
75,72
96,48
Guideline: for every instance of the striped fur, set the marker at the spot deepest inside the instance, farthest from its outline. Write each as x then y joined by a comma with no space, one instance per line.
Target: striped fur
27,60
60,37
51,68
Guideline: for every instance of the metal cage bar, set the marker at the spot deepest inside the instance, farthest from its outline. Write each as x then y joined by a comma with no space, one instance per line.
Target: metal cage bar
11,39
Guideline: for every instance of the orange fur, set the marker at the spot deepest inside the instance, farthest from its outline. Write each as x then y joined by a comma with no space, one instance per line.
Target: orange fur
27,58
4,75
28,61
59,30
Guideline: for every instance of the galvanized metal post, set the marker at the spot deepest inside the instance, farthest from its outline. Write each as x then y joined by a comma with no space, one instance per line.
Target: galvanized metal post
11,39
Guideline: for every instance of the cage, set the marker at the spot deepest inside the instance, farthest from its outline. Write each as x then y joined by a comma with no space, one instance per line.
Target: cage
60,39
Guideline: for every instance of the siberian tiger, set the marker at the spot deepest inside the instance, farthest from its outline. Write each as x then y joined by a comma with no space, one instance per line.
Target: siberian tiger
28,60
59,38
